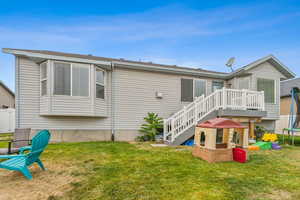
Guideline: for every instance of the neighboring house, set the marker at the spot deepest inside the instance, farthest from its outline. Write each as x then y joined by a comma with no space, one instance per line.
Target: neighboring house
7,97
85,97
285,102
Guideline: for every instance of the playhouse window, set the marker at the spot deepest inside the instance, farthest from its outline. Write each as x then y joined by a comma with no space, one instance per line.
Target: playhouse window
219,138
202,139
236,138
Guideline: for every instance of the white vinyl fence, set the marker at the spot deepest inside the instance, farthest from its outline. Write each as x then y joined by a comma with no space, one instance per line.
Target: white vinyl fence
7,120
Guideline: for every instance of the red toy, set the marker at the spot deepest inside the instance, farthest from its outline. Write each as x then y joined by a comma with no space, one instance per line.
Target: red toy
239,155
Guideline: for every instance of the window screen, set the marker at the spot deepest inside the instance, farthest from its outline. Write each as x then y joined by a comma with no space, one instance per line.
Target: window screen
80,80
268,86
186,89
100,90
217,85
219,137
44,70
200,87
62,78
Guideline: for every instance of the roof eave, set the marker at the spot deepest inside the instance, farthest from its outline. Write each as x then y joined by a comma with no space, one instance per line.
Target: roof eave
121,64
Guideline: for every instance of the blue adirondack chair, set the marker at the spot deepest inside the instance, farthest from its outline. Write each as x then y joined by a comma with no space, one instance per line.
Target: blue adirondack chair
22,161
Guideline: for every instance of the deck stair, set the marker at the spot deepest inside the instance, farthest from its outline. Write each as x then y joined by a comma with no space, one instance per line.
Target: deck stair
180,126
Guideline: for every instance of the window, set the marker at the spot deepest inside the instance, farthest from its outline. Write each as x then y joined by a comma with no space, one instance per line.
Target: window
202,139
200,88
217,85
80,80
236,138
62,78
71,79
187,90
268,86
244,83
100,91
192,88
219,138
43,78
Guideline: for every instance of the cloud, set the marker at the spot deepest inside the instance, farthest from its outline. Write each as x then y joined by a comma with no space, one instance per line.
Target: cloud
168,23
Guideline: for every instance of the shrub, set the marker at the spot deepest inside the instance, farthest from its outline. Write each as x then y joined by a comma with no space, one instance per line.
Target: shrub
151,128
259,131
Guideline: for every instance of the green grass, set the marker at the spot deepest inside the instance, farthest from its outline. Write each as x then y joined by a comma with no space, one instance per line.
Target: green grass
7,136
106,170
288,140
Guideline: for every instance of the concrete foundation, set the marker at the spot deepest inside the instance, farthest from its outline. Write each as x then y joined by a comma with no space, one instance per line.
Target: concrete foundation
88,135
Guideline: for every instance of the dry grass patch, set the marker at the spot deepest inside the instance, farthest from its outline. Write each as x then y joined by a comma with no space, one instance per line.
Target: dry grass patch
55,181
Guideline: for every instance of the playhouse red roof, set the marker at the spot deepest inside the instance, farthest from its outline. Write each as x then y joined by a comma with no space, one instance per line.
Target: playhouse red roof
220,123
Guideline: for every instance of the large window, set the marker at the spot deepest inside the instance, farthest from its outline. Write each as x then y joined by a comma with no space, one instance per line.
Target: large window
100,87
191,88
80,80
44,77
199,88
268,86
186,90
71,79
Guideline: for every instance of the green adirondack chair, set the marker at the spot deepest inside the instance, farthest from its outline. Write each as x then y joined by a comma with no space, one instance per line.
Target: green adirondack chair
22,161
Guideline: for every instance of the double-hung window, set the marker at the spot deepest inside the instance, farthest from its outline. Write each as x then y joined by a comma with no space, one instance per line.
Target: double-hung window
71,79
44,77
199,87
268,86
100,84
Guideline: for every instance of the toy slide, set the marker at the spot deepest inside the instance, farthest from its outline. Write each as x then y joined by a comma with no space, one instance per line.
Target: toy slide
263,145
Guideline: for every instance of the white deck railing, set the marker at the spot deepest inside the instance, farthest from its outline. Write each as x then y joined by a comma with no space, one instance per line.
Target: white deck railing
224,98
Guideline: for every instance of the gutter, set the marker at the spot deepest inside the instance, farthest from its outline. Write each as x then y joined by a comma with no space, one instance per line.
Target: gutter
112,102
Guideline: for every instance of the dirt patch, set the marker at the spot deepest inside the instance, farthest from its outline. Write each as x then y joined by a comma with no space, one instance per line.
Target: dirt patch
275,195
53,182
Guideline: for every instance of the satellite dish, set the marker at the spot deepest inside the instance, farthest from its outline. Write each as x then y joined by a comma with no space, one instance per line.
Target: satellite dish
230,63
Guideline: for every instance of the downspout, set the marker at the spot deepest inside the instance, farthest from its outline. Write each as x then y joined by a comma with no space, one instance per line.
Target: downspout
112,102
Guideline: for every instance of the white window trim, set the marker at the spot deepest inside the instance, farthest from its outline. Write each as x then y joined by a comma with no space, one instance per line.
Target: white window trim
102,84
275,86
71,79
44,79
198,79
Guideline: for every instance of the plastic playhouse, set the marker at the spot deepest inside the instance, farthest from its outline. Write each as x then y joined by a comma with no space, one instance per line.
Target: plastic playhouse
221,139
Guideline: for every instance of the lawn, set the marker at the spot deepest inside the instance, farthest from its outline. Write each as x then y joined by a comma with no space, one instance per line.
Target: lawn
107,170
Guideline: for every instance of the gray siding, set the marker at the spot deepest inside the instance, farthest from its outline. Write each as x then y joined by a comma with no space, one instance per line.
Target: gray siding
135,95
266,70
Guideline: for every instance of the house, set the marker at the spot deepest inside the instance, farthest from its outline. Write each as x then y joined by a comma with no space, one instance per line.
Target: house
7,97
84,97
285,103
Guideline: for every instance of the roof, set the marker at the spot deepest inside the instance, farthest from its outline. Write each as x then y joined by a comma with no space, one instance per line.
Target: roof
220,123
7,88
89,58
286,86
271,59
45,54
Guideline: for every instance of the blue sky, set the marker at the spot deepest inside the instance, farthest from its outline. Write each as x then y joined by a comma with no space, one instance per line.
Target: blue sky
188,33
